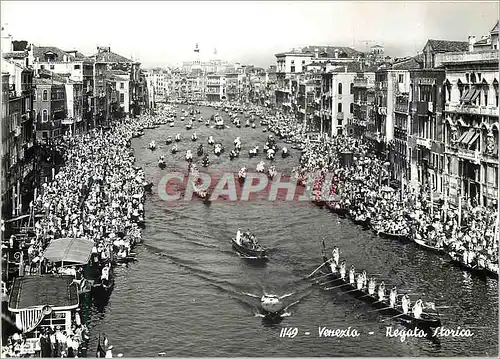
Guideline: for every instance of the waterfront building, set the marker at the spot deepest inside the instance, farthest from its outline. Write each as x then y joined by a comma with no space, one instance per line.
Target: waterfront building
216,87
423,127
471,127
363,119
337,105
17,137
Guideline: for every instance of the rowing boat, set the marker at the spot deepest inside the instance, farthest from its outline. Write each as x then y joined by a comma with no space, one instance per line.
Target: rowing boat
482,272
423,244
399,236
425,321
258,252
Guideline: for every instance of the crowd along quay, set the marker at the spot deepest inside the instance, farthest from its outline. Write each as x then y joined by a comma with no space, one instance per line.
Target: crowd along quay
74,238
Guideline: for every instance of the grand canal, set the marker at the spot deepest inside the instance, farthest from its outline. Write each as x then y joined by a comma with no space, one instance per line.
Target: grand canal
185,295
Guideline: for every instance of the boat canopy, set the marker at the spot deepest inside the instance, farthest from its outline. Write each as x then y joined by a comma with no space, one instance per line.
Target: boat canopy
54,291
69,250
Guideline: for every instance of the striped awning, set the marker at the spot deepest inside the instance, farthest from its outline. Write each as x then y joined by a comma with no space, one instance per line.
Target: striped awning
69,250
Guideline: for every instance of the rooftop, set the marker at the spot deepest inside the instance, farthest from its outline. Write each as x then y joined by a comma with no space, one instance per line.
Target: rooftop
32,291
447,45
109,56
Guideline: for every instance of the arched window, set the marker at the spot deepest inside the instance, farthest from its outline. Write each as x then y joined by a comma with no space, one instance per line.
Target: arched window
45,95
351,108
45,116
339,107
34,115
351,89
340,88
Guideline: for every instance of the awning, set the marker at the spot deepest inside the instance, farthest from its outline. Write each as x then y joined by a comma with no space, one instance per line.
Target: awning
466,95
469,95
475,95
69,250
463,136
473,140
466,137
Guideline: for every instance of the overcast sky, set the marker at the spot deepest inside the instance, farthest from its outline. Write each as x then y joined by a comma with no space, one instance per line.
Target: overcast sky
165,33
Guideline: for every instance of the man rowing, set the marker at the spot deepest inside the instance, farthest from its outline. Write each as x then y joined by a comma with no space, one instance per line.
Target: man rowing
352,273
238,236
381,291
365,279
359,282
342,270
417,309
335,255
405,303
371,286
393,297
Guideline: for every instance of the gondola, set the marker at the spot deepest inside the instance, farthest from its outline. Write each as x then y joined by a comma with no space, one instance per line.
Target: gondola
365,223
425,321
423,244
398,236
480,272
259,253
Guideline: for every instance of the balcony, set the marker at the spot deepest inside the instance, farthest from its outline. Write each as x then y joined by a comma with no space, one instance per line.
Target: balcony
67,121
470,155
421,108
401,107
471,109
466,57
424,142
361,82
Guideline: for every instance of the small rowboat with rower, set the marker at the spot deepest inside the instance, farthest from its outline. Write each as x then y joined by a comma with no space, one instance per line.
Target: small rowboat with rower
247,246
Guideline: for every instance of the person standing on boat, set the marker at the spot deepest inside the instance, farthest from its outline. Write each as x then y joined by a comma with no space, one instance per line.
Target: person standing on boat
405,303
365,279
371,286
393,297
342,270
352,273
335,255
381,291
417,309
238,236
359,281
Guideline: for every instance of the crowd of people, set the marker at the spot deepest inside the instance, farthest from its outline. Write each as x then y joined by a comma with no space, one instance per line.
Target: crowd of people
98,196
361,187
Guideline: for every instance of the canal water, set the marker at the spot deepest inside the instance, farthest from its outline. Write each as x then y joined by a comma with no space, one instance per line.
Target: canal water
186,294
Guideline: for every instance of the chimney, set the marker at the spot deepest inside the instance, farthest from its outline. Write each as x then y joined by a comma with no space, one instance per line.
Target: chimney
472,41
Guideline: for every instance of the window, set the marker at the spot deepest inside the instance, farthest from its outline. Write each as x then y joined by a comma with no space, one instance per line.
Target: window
303,62
122,98
466,77
45,134
34,95
401,78
351,108
292,69
340,88
339,107
351,90
293,62
42,67
122,85
45,116
76,67
52,67
45,95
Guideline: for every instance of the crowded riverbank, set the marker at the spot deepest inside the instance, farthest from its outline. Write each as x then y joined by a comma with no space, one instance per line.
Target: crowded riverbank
86,221
182,244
